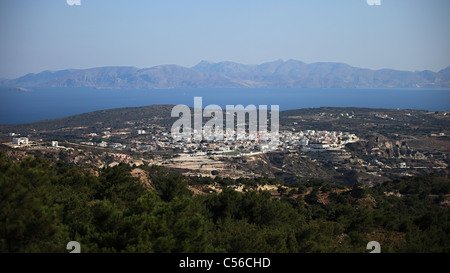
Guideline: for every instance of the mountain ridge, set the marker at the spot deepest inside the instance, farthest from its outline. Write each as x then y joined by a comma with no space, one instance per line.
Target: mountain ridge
227,74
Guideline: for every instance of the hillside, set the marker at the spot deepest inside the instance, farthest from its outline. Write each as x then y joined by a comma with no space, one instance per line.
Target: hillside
117,118
110,210
416,139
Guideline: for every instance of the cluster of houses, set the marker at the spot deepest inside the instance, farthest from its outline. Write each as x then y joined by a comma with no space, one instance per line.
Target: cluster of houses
308,140
121,156
105,144
312,140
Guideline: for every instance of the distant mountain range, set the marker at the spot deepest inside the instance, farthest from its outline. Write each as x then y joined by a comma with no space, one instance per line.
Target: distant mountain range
276,74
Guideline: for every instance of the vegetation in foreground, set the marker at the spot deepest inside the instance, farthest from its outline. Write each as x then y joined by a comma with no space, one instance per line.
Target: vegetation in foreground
44,205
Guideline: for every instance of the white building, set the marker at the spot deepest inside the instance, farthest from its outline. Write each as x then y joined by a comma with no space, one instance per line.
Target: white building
20,140
303,142
118,146
141,132
102,144
55,144
87,143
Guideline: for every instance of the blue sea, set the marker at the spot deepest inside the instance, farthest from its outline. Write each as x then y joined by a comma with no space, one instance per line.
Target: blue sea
48,103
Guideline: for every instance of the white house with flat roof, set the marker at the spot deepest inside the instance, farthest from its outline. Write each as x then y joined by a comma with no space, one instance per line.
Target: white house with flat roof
20,140
102,144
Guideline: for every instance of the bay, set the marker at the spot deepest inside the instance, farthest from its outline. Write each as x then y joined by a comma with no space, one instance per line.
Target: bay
48,103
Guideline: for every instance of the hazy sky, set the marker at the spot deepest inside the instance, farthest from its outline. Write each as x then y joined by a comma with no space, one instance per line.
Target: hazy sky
51,35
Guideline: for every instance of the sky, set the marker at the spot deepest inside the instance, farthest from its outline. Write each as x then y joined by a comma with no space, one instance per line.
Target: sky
53,35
